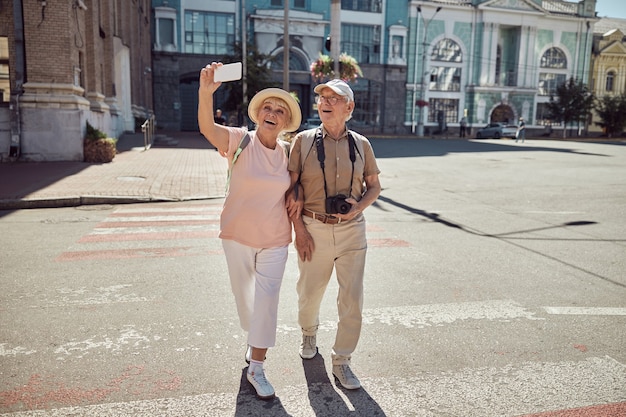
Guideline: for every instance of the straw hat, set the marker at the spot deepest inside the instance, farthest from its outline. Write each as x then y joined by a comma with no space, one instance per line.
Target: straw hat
294,108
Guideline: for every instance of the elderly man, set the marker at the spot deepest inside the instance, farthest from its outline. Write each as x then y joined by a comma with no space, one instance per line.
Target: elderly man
334,171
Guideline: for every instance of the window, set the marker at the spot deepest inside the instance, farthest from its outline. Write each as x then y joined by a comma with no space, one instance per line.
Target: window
297,4
610,79
445,79
549,82
447,50
367,104
296,62
209,33
543,116
374,6
443,110
554,65
445,73
362,42
164,29
554,58
166,33
5,84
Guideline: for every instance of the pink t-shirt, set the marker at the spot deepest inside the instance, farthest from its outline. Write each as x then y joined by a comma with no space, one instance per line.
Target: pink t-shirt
254,212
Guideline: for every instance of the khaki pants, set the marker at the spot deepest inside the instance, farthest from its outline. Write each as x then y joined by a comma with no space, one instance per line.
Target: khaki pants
343,247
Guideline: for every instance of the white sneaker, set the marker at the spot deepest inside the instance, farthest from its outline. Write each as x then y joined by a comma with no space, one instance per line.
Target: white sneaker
345,376
308,347
264,390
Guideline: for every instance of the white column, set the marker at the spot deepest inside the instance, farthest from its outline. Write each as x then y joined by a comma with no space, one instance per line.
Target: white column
485,52
523,57
493,53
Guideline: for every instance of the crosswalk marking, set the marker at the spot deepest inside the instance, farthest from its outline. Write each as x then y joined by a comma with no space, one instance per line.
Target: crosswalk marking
587,311
524,389
176,224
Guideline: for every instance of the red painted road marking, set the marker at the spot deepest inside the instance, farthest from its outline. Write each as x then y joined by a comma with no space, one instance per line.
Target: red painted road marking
47,391
605,410
388,243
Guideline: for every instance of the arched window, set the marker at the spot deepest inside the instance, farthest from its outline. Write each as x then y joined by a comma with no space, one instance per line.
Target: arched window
296,61
554,71
447,50
610,79
554,58
445,72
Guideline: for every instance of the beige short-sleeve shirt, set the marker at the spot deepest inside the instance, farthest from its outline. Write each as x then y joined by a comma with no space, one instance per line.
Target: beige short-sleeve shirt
337,167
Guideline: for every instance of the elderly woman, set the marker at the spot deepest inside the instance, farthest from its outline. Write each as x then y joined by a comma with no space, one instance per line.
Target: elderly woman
254,225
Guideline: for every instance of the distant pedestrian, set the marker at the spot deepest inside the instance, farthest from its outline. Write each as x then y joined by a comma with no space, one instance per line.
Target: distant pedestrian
521,130
463,125
254,224
219,118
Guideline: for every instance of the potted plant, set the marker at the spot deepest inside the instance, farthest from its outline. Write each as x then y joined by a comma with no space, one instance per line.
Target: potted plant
323,67
97,147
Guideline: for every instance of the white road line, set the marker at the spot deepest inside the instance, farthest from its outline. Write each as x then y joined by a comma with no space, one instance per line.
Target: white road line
439,314
164,229
587,311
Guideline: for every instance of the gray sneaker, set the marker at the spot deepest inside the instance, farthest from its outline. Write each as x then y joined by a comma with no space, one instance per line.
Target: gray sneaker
308,347
264,390
345,376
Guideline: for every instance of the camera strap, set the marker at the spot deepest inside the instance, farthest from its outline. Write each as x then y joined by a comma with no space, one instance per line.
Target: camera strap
321,157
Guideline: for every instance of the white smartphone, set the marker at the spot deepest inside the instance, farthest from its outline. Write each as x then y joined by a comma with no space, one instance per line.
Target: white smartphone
228,72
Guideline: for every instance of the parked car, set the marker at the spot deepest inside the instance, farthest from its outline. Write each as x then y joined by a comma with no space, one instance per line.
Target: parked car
497,130
311,123
509,131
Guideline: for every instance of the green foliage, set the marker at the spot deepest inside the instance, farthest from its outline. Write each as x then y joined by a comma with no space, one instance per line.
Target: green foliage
573,103
93,133
258,77
612,112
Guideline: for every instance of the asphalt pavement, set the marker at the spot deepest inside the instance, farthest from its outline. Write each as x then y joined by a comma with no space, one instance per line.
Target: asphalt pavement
495,287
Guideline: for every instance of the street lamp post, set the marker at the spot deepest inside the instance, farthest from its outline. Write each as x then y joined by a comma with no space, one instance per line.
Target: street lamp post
420,121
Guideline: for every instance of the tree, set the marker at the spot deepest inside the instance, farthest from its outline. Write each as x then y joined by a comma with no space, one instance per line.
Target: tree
573,103
612,112
258,77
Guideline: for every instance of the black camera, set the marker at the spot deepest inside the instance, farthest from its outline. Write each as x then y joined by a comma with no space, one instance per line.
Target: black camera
337,204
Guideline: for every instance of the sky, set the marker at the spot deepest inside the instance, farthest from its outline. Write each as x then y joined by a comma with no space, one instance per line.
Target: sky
611,8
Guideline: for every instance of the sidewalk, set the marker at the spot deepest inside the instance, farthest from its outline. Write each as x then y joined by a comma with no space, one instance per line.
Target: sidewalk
190,170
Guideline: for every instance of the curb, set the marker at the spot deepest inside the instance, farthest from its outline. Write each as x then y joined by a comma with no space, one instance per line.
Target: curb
16,204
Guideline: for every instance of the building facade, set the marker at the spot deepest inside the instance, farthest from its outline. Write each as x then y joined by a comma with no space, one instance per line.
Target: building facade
192,33
68,62
428,62
608,76
494,60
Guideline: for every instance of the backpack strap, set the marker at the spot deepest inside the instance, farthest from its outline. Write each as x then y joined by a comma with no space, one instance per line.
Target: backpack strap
242,145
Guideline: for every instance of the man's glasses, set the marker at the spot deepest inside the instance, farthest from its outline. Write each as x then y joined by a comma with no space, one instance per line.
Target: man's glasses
332,100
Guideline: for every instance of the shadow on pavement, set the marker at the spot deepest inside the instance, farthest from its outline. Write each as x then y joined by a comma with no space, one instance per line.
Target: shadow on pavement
249,405
326,401
398,148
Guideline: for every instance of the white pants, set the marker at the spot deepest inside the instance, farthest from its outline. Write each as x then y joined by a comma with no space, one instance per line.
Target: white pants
255,279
